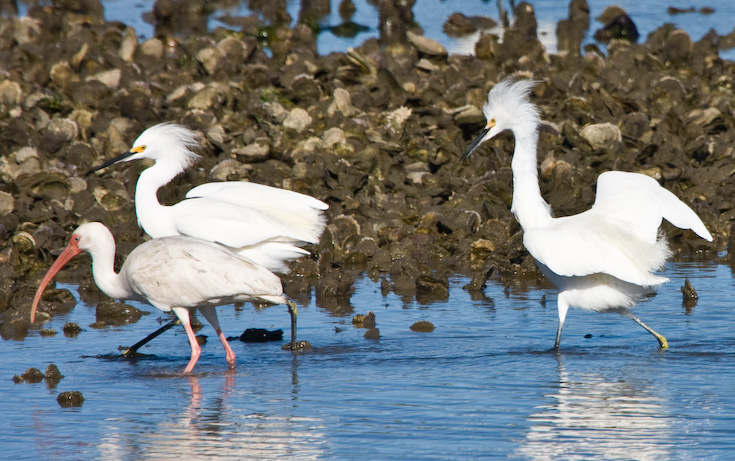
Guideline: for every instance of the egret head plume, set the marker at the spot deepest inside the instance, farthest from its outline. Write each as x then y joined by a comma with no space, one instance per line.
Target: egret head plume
507,108
168,141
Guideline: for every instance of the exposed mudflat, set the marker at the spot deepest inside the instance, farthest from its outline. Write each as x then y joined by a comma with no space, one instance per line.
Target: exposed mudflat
376,132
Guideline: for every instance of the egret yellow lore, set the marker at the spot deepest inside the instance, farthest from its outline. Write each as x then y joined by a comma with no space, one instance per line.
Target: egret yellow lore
600,260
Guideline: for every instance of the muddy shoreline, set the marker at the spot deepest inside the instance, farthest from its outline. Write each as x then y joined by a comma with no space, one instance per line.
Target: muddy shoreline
376,132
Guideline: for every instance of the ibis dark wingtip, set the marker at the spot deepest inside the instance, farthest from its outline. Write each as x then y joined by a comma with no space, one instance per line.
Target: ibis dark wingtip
475,144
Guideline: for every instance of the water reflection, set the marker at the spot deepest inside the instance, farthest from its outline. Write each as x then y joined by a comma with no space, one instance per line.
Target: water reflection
596,416
222,424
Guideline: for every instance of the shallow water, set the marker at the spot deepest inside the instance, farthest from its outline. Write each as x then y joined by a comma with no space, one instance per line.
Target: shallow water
484,383
431,15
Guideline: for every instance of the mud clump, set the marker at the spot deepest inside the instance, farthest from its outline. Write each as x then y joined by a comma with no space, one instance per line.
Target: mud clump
116,314
260,335
376,132
372,333
364,321
72,330
70,399
52,376
301,346
422,326
31,375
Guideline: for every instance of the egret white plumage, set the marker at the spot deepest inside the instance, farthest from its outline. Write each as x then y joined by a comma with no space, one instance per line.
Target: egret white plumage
266,224
174,274
602,259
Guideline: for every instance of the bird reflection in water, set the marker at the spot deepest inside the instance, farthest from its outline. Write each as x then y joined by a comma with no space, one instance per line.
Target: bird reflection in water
594,416
221,419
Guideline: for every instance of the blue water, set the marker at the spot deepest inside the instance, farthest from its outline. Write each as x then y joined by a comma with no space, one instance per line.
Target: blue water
484,383
431,15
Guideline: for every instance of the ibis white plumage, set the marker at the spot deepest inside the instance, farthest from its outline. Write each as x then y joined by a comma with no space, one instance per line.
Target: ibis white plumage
175,274
266,224
603,259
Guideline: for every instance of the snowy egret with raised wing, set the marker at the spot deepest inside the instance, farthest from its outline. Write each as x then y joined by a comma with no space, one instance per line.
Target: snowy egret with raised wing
602,259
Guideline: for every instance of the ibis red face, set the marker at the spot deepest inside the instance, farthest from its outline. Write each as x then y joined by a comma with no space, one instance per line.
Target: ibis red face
71,250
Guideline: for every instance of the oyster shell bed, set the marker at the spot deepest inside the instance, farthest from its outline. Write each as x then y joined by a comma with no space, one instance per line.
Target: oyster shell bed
376,132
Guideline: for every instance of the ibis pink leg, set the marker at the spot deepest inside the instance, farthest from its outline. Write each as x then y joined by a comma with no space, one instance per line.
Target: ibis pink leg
196,350
210,314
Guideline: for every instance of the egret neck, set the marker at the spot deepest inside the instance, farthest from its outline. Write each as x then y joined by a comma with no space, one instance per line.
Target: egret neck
149,210
529,207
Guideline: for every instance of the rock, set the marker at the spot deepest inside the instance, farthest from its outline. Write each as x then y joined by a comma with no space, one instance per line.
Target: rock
431,289
426,45
260,335
210,59
206,99
7,203
32,375
332,137
114,313
10,93
678,48
305,88
256,151
571,31
70,399
458,24
469,115
109,78
128,45
341,103
602,136
59,131
52,376
152,48
422,326
364,321
71,330
620,27
298,119
372,333
62,74
703,117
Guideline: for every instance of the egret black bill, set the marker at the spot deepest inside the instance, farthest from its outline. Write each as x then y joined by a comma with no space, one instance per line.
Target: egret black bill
119,158
476,142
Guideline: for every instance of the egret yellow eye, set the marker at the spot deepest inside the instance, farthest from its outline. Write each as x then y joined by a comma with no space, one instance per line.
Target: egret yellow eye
490,123
138,149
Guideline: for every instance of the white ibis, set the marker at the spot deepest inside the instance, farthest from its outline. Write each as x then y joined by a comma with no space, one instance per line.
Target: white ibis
175,274
266,224
602,259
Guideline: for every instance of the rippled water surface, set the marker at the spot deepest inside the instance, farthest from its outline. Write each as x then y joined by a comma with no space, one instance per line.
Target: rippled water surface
431,15
484,383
